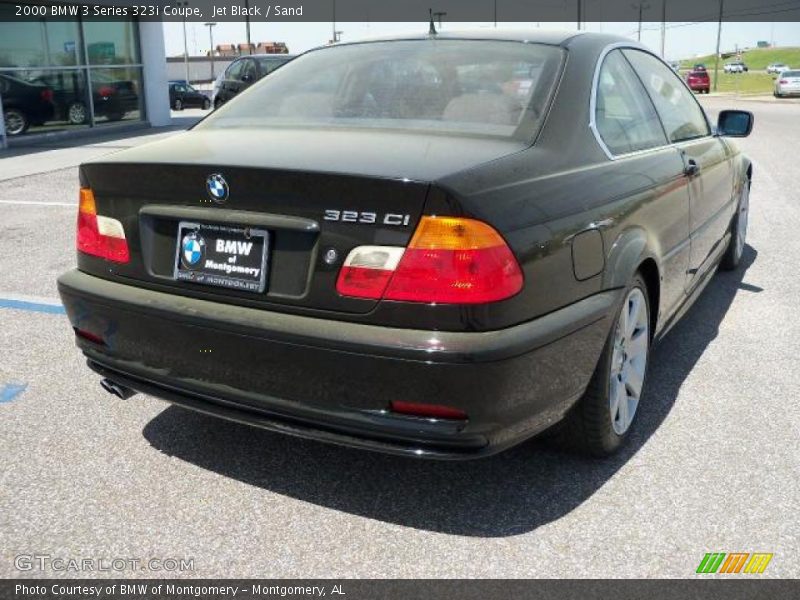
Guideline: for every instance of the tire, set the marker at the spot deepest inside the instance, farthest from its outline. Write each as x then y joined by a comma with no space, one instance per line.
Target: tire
206,104
598,425
178,104
16,121
76,113
217,103
733,254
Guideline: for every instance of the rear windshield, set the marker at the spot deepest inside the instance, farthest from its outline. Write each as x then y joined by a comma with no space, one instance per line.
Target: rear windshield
271,63
450,86
790,74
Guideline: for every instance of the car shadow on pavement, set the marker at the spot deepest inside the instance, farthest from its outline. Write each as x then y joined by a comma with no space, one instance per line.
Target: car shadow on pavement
507,494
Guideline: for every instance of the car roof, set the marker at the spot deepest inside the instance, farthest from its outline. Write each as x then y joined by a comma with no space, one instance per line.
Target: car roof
531,36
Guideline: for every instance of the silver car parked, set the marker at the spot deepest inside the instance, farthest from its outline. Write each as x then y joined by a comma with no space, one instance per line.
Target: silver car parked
787,84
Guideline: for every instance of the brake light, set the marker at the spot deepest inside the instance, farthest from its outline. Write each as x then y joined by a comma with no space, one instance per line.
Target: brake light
98,235
429,411
784,81
47,95
449,260
105,91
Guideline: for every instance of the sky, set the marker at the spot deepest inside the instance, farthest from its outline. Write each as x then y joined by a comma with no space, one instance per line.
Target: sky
683,40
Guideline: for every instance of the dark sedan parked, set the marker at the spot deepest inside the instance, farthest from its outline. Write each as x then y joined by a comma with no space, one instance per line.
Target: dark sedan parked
244,72
460,241
182,95
111,98
24,104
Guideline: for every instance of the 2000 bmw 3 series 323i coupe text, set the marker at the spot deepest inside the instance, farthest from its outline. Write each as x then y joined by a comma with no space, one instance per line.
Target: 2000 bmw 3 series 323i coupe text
435,245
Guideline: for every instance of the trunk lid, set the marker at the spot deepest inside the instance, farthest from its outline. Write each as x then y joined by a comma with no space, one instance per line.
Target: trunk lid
315,194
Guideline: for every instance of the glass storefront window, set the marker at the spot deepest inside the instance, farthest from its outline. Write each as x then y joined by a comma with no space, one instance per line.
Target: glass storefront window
46,83
111,42
40,100
38,44
116,94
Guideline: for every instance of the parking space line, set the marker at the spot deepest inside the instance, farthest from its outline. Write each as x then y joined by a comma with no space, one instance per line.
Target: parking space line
38,203
11,390
21,303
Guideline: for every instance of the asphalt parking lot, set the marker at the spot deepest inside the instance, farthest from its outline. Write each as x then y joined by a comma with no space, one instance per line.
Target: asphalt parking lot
714,465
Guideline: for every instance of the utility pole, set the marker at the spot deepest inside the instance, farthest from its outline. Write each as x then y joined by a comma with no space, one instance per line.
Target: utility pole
663,28
642,7
580,15
438,16
495,16
211,41
333,23
184,4
247,25
719,39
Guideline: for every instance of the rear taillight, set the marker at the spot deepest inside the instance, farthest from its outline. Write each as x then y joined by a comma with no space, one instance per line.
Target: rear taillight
784,81
105,91
449,260
98,235
47,95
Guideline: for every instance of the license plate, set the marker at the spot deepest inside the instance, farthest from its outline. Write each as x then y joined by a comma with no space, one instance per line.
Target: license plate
222,256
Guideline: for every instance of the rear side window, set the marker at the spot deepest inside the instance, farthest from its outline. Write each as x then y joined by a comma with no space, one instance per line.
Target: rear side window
248,70
268,65
680,113
472,87
234,70
625,117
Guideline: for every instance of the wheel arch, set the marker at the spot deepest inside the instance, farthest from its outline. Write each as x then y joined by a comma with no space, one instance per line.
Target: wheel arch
630,253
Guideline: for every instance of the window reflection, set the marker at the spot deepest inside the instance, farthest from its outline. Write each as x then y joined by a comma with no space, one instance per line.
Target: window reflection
38,44
111,42
115,93
46,83
39,100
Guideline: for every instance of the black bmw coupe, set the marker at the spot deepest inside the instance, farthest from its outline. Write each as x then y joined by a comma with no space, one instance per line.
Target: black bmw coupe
435,245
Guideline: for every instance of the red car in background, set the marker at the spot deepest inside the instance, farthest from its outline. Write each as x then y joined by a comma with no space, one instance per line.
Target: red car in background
698,80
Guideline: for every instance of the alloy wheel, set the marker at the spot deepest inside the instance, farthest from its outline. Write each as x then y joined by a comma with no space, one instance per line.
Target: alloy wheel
628,360
14,121
76,113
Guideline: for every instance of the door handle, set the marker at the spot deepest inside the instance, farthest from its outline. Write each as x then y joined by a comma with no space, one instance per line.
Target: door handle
691,168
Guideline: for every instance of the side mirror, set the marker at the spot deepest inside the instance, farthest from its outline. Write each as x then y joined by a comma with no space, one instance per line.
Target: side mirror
735,123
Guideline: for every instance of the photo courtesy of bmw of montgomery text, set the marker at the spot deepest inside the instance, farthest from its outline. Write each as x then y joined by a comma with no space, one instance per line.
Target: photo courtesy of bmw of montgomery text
436,246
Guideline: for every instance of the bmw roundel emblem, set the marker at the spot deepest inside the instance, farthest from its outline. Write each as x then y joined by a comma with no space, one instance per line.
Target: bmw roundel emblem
217,187
193,248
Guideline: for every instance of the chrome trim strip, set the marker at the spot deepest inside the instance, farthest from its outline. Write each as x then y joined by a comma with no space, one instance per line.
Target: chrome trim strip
593,103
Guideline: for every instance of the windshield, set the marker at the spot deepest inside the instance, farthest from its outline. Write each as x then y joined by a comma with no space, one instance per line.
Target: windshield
452,86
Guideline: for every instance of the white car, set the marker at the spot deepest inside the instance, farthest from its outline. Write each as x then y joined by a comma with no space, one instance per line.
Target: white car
777,68
734,68
787,84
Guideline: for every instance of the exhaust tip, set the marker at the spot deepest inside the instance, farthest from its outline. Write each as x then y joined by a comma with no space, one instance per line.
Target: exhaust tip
120,391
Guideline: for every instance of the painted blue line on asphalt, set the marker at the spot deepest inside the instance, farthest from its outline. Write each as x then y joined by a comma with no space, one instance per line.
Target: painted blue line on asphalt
55,309
10,391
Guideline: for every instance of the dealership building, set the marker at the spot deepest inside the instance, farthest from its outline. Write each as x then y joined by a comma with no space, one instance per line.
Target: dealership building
62,76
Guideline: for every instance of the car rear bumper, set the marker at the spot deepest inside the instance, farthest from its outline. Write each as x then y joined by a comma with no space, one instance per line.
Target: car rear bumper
333,380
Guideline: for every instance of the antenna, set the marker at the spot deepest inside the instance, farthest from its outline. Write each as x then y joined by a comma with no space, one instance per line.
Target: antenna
432,28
